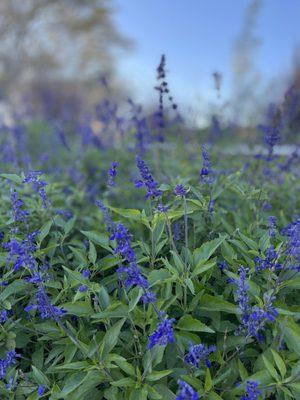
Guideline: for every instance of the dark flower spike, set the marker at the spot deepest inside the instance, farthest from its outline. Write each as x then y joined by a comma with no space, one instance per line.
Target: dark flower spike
252,391
147,180
163,334
198,353
8,361
186,392
33,178
19,214
112,173
180,190
206,173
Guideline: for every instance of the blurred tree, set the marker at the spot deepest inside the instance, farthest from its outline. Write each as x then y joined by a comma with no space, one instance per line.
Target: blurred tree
56,40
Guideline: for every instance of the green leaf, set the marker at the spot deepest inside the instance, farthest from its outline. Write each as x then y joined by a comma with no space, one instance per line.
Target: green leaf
213,303
98,238
270,368
12,177
207,249
44,231
242,370
79,308
291,333
208,381
72,382
126,367
157,375
40,377
188,323
279,362
200,267
124,382
17,286
69,225
92,253
111,337
77,365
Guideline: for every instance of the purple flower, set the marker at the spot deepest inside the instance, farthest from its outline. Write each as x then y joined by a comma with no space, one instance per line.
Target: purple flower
38,185
83,288
8,361
4,314
180,190
112,173
161,208
123,238
132,276
272,226
292,231
41,390
149,297
198,353
110,226
65,213
271,128
19,213
211,206
206,171
223,266
22,253
147,180
44,306
86,273
270,262
163,334
252,391
186,392
253,319
242,291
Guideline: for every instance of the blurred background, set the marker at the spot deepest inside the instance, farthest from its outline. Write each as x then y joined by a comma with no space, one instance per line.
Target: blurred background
226,61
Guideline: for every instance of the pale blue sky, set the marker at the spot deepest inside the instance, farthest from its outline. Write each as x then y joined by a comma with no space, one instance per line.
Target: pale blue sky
198,37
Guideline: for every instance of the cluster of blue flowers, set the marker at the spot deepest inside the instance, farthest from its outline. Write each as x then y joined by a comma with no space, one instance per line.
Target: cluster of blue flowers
112,173
4,314
292,231
85,274
163,334
147,180
254,318
132,276
38,185
252,391
198,353
21,254
8,361
269,262
271,129
44,306
186,392
206,171
272,226
180,190
19,214
130,272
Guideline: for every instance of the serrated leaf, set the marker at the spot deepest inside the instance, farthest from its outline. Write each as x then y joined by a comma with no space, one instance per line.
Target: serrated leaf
188,323
208,381
279,362
111,337
156,375
40,377
270,368
213,303
207,249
